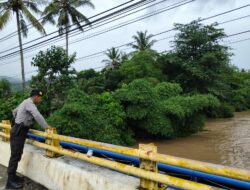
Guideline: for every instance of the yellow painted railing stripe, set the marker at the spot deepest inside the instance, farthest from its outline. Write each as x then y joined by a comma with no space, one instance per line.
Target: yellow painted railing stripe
161,178
156,157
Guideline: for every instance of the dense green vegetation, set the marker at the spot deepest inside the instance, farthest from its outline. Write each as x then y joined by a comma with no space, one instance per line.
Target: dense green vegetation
141,94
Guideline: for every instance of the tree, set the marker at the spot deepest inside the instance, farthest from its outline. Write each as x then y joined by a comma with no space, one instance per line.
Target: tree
55,76
7,104
21,9
142,41
96,117
198,59
141,65
5,89
188,112
114,58
144,112
66,10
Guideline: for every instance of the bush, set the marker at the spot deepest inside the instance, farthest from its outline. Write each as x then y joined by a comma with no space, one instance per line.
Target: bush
223,111
240,99
187,113
144,109
96,117
9,104
166,90
142,65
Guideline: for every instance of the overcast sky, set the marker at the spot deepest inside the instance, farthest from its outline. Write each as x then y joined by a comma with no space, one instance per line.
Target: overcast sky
154,25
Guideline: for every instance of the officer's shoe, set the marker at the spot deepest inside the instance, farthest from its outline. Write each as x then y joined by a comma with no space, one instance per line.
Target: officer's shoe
13,184
19,179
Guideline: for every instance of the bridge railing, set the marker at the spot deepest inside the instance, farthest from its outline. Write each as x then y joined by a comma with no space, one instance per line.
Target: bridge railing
148,172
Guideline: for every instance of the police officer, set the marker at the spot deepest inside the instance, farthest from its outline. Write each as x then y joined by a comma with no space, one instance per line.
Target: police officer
23,119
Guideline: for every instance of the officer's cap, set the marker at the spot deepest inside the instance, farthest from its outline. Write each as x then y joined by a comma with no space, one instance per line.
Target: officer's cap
36,92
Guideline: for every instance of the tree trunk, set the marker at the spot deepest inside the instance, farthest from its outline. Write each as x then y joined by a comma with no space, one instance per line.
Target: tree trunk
67,40
21,48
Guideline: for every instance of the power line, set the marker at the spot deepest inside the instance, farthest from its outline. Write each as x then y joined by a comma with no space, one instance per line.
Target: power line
89,56
236,34
114,27
232,10
90,28
32,46
102,24
99,19
158,13
130,21
100,52
239,18
238,41
201,20
15,33
224,22
29,26
207,19
145,1
127,11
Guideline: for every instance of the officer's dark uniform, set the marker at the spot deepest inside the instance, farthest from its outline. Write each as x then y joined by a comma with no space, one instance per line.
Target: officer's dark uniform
23,115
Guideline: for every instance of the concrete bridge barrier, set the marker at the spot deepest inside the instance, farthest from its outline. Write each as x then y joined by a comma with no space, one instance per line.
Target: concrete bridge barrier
66,173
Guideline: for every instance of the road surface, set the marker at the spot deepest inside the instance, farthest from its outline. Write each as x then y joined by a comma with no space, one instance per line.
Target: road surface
29,185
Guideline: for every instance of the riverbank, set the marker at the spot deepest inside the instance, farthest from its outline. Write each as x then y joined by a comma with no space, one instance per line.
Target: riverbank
223,141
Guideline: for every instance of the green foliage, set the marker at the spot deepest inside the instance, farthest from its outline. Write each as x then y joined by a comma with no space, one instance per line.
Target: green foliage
23,12
95,117
223,111
67,15
142,93
143,41
185,106
87,74
113,78
5,88
197,59
8,104
138,98
188,112
142,65
22,8
161,110
91,81
114,58
143,109
166,90
66,10
54,72
240,99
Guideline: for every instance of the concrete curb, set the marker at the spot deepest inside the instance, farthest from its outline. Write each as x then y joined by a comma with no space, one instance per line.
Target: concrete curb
65,173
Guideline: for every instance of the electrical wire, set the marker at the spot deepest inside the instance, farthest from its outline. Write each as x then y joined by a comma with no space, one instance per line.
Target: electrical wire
30,47
3,39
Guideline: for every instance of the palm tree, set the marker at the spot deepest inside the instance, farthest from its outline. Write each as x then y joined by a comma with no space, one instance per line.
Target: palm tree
66,11
21,9
142,41
114,58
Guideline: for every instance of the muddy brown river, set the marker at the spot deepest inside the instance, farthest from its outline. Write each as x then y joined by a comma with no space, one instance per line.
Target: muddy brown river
223,141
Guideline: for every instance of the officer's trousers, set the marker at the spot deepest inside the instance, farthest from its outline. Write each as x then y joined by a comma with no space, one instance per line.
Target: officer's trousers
17,140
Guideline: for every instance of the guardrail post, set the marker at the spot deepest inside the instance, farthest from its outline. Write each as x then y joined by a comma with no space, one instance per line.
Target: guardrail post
148,166
52,142
6,131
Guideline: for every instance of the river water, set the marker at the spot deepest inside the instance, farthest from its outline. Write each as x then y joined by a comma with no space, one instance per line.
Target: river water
223,141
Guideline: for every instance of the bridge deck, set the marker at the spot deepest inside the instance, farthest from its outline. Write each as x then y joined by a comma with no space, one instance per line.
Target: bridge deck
29,185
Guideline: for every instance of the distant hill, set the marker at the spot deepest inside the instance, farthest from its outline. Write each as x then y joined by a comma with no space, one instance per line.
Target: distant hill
11,79
16,83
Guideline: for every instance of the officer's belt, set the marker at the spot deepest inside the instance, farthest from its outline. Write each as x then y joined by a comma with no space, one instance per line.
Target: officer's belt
20,127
